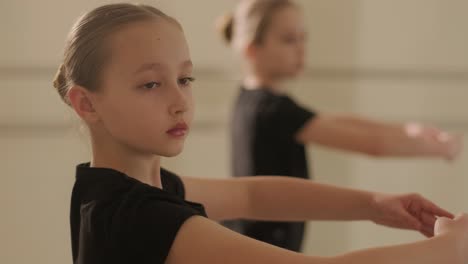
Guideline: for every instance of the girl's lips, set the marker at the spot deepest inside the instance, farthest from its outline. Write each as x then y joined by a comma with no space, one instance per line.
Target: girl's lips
178,130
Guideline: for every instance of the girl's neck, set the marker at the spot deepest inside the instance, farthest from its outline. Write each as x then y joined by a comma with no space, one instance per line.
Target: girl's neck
110,154
257,81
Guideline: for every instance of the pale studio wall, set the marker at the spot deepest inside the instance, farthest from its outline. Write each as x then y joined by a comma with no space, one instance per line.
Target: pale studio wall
394,60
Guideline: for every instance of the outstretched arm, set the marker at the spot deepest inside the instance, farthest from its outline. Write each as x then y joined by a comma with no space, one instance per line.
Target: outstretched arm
202,241
380,139
290,199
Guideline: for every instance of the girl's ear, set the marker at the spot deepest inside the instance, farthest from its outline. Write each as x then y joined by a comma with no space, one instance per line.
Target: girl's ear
79,99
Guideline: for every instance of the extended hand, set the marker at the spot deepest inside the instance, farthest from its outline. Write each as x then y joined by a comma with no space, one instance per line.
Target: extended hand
409,211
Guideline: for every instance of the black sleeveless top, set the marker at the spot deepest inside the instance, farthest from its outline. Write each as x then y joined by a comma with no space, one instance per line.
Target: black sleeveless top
117,219
263,132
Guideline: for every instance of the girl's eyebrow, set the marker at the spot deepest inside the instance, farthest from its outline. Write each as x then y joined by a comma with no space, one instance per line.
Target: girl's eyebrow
152,66
148,66
187,64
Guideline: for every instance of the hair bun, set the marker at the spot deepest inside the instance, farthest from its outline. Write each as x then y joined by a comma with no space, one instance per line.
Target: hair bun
225,25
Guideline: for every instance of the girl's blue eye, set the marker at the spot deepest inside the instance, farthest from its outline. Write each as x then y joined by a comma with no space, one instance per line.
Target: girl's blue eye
186,81
150,85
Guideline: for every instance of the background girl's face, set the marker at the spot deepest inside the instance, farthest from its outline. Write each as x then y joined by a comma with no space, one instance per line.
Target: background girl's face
281,53
145,100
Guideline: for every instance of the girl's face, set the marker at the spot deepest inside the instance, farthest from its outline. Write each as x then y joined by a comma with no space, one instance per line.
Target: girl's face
281,53
145,99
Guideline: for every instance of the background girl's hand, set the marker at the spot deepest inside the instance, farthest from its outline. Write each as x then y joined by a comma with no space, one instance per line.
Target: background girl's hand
453,144
436,141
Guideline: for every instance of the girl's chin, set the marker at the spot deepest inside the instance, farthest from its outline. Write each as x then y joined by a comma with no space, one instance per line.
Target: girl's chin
172,152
